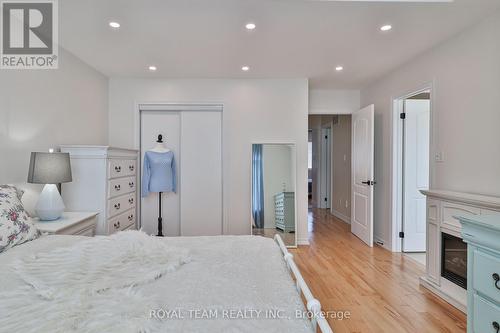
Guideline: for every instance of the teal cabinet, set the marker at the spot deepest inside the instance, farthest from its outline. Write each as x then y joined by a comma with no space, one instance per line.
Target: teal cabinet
482,234
284,211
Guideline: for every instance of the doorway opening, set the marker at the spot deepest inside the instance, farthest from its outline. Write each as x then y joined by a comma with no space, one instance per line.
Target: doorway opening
329,174
412,133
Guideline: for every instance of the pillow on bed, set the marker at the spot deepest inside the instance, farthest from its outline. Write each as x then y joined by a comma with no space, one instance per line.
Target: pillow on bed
15,224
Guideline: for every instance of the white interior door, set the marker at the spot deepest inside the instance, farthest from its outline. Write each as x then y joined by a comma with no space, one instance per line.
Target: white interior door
362,174
201,176
169,125
415,173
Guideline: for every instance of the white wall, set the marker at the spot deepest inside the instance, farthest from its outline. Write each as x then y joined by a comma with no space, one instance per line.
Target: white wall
465,116
277,170
40,109
254,111
333,101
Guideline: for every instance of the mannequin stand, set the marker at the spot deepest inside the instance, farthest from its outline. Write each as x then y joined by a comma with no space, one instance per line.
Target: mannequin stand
160,226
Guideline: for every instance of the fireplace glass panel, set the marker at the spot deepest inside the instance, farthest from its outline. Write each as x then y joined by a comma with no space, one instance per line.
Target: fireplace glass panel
454,260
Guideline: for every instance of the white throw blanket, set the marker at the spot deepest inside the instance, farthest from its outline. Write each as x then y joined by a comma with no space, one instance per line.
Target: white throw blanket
88,287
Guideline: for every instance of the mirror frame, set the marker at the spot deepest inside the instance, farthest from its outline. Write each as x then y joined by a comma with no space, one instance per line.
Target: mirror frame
294,176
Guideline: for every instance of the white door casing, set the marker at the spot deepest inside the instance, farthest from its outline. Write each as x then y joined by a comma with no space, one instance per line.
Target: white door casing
326,168
315,172
415,173
362,174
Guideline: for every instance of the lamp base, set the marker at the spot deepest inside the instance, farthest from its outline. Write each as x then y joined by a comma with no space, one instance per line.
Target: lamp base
50,205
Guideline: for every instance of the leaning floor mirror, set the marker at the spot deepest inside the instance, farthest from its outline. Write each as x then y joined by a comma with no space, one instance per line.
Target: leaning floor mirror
273,191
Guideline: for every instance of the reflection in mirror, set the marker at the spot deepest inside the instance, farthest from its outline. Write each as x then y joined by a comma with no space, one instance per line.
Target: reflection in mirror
273,191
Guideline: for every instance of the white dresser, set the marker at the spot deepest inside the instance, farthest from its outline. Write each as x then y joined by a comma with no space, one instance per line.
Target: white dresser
104,180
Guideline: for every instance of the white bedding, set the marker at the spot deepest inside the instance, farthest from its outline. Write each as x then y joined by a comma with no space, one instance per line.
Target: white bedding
229,277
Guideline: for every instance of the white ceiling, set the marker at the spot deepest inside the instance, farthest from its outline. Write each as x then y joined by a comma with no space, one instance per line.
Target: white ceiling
293,38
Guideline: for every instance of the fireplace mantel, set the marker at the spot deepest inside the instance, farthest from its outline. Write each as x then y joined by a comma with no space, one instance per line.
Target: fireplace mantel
465,198
442,209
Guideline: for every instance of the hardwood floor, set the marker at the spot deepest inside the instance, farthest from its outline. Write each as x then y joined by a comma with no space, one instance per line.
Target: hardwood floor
380,289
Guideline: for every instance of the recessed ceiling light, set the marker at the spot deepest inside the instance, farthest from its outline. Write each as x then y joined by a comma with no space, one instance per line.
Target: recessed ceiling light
386,27
339,68
152,68
250,26
245,68
114,25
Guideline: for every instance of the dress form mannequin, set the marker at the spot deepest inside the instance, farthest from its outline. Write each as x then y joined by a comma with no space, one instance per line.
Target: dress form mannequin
160,146
159,174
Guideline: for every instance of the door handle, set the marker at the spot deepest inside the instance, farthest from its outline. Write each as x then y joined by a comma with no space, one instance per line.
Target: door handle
369,183
496,278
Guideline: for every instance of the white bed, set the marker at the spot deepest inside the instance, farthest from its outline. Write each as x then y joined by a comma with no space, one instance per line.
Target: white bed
231,276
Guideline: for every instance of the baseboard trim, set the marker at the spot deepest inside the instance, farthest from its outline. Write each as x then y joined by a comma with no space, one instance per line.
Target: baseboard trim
379,240
302,241
424,282
341,216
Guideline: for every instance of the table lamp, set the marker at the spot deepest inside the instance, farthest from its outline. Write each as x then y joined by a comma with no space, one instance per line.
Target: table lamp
49,169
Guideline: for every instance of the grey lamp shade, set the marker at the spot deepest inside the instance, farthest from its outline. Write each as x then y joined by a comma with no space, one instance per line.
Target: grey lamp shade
49,168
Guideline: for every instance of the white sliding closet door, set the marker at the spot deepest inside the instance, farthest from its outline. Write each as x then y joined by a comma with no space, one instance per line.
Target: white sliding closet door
195,137
201,176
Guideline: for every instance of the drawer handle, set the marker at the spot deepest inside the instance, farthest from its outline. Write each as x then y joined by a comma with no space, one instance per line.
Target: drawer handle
131,200
117,225
118,168
496,326
131,184
496,277
131,167
117,187
117,206
130,217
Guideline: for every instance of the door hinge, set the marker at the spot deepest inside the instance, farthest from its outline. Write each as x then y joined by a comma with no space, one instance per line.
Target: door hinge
401,234
402,115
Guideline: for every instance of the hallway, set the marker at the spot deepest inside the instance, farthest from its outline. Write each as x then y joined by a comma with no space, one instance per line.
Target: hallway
380,289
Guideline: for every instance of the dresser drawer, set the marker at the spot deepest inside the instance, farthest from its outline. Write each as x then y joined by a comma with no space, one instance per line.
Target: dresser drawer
120,204
485,266
130,227
485,315
86,232
119,186
122,221
121,168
